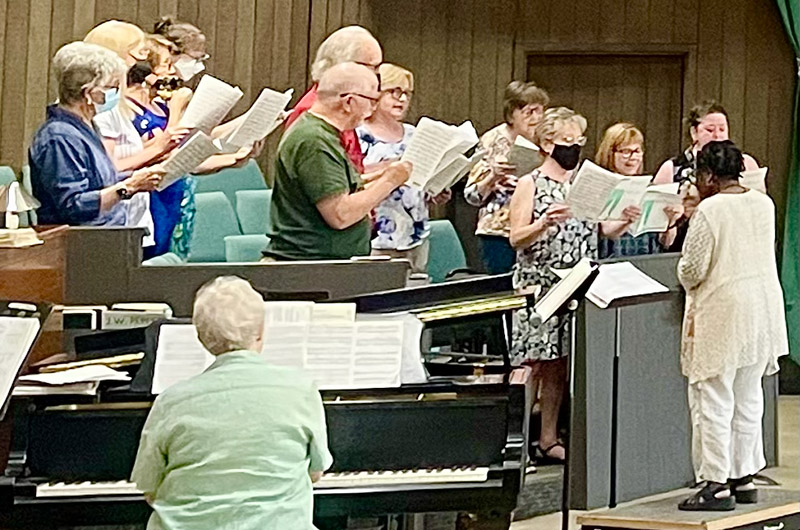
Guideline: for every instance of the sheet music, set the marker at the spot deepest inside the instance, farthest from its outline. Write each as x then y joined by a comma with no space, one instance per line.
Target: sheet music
598,194
412,370
621,280
628,192
261,119
17,335
286,327
83,374
212,101
196,150
434,146
179,356
654,218
334,312
377,353
445,178
755,179
524,156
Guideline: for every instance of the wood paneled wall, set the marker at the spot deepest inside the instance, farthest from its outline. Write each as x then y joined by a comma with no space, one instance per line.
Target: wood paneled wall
462,52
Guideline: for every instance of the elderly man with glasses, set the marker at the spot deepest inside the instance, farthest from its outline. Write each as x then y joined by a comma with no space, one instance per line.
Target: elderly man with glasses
320,210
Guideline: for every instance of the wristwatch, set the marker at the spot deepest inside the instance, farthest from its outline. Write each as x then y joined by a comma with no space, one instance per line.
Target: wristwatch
123,193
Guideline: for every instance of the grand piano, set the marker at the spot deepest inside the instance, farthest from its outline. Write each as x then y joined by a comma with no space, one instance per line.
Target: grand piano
455,443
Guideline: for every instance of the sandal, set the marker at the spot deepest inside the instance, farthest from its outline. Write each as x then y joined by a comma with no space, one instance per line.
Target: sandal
706,500
543,457
749,495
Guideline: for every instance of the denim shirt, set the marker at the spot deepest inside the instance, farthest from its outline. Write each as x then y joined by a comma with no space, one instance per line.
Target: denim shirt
69,167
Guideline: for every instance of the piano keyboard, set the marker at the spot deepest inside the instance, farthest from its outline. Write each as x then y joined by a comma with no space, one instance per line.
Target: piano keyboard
354,479
350,479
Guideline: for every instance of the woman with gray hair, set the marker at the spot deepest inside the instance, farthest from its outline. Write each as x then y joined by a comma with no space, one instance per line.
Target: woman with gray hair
71,172
239,445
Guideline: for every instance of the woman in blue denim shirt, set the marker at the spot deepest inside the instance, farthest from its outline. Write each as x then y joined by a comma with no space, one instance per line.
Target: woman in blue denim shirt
401,220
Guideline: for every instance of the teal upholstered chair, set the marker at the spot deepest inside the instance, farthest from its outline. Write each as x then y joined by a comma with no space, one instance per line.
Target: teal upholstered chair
7,175
253,209
446,252
165,259
245,248
229,181
214,220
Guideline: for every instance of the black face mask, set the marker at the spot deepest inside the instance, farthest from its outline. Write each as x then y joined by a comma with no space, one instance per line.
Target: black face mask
567,156
139,72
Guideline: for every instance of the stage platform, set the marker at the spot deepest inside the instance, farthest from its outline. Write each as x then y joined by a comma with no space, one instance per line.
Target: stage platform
777,509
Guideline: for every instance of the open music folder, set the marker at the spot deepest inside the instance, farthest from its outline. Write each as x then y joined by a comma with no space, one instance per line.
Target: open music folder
20,325
260,120
598,194
335,347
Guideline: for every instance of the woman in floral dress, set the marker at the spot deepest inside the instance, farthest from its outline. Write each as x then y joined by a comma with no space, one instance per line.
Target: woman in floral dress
546,237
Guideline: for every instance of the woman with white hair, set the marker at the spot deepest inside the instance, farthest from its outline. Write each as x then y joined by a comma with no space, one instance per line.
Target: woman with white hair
71,173
351,44
239,445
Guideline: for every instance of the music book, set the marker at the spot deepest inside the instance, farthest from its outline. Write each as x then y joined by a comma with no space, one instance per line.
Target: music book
211,102
525,156
185,159
82,374
654,217
433,148
598,194
20,324
620,280
755,179
260,120
445,177
568,288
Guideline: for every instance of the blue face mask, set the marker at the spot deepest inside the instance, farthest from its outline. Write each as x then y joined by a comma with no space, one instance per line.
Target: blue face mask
111,101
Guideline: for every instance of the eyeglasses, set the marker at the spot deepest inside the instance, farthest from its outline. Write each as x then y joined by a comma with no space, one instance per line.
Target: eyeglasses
373,100
397,93
629,153
569,140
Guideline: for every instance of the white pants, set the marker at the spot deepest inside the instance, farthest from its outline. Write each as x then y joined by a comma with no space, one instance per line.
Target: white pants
726,413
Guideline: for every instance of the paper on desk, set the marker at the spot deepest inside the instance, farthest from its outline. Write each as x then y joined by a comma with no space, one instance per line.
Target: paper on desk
598,194
621,280
179,356
656,199
16,339
261,119
185,159
212,101
755,179
84,374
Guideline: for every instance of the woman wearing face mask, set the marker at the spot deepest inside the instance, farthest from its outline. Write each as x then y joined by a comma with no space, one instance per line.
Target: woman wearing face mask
706,122
547,237
71,172
734,327
492,181
622,151
401,220
120,137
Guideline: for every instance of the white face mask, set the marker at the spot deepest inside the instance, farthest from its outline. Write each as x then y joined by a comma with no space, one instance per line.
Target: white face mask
187,68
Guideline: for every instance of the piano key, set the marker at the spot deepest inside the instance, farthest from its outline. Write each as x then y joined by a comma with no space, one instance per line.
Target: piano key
81,489
388,478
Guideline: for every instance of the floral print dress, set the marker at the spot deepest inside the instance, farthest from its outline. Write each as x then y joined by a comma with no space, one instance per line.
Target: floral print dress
564,245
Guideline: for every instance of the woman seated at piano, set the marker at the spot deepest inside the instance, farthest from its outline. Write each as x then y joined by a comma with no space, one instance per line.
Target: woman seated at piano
239,445
72,174
546,236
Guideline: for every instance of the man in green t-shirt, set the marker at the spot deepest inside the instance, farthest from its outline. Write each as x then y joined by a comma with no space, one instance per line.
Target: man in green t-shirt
320,209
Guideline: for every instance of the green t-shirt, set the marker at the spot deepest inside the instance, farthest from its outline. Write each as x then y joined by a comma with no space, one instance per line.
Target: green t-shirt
232,448
312,165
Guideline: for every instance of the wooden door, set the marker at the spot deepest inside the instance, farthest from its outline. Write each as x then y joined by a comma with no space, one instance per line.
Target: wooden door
643,89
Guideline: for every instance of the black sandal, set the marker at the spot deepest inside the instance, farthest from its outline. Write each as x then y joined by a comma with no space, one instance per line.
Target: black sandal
543,457
748,496
706,500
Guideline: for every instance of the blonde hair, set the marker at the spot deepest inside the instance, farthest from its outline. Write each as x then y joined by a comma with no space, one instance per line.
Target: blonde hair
554,120
616,136
119,37
228,315
393,76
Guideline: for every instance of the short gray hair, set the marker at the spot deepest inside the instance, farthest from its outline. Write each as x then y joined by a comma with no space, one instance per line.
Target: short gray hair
228,315
341,46
80,65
